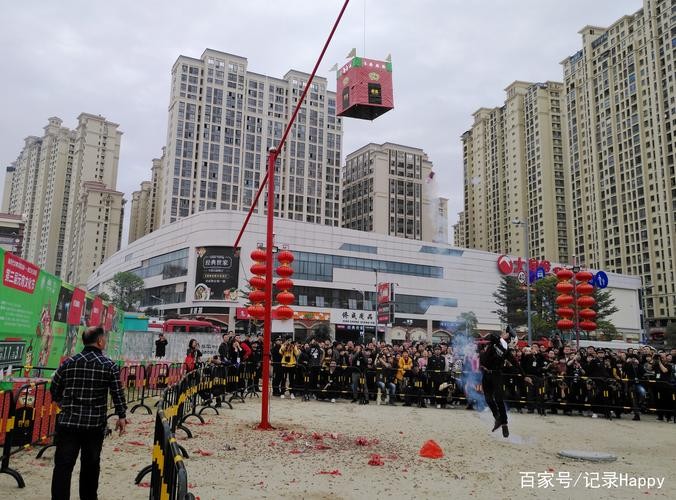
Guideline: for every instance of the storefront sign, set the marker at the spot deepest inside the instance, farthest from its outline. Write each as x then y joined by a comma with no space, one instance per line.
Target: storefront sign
351,317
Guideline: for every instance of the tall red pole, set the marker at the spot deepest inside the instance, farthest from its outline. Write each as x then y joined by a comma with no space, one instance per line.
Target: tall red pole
267,329
270,178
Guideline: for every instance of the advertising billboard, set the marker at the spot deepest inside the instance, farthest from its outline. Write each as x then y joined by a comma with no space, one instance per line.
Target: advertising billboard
41,317
216,274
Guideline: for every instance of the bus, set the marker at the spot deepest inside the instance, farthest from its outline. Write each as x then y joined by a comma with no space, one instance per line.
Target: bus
189,326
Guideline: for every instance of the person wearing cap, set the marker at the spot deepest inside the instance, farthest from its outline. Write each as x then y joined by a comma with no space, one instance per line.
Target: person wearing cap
492,362
80,387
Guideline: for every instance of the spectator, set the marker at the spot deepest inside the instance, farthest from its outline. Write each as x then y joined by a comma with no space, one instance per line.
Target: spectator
80,387
161,346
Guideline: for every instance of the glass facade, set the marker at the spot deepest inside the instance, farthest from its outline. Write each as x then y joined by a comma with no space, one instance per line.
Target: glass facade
169,265
441,251
358,248
352,299
319,267
160,295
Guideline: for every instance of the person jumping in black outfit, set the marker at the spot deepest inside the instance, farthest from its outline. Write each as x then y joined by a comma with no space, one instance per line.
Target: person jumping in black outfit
492,362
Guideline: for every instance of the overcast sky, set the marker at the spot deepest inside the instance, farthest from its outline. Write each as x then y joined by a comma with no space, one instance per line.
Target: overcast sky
449,58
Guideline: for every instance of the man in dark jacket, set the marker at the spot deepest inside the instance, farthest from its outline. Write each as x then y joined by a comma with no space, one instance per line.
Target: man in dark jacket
492,363
435,368
80,387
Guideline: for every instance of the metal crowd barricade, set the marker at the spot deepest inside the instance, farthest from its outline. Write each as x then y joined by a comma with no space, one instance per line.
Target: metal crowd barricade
6,428
169,478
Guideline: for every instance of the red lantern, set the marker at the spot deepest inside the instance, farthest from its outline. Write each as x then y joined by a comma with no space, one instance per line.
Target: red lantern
257,282
564,324
587,314
564,287
564,300
565,312
257,296
285,257
588,325
584,288
284,312
284,271
584,276
586,301
564,274
259,269
258,255
256,311
284,284
285,298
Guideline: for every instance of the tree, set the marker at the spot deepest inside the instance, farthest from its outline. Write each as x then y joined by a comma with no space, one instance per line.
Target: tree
104,296
471,322
511,302
127,289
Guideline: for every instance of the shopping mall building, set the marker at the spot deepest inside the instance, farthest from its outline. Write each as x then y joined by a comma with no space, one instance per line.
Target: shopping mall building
189,268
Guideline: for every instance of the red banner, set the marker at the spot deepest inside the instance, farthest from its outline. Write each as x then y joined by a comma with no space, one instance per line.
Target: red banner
383,293
108,325
19,274
95,316
76,307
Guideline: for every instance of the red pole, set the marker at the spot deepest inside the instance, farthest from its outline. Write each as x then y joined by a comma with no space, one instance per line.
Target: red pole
293,119
270,179
267,328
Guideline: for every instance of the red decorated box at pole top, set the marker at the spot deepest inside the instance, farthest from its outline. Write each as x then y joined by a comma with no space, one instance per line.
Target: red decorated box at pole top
364,88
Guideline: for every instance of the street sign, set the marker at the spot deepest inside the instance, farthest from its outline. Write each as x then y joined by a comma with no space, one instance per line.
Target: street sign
600,279
540,273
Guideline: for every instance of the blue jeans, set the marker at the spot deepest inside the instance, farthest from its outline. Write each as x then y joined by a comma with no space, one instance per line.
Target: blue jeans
391,388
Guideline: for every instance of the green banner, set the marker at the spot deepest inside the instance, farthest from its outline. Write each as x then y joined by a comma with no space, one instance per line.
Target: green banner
42,318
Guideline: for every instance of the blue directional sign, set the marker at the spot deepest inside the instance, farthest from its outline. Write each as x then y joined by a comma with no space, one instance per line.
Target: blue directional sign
540,273
600,280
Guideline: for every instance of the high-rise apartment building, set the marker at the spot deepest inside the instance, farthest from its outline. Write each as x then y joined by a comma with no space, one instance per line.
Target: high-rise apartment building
146,203
620,97
386,191
459,231
56,185
514,164
222,121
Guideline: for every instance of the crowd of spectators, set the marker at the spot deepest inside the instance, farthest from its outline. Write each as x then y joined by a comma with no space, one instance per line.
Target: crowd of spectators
584,381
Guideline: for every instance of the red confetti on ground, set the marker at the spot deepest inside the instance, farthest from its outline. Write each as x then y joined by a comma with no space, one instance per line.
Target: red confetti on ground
404,470
330,472
401,432
117,449
392,457
376,460
295,451
333,435
288,438
551,469
204,453
190,485
321,446
317,436
136,443
144,485
272,443
361,441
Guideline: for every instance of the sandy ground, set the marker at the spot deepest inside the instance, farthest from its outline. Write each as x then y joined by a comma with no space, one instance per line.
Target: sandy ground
322,450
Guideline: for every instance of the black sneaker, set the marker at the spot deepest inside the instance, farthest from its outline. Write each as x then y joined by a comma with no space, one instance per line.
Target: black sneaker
496,426
505,431
636,417
353,401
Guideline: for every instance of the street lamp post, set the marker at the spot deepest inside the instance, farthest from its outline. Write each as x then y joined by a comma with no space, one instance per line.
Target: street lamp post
524,223
363,300
377,307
